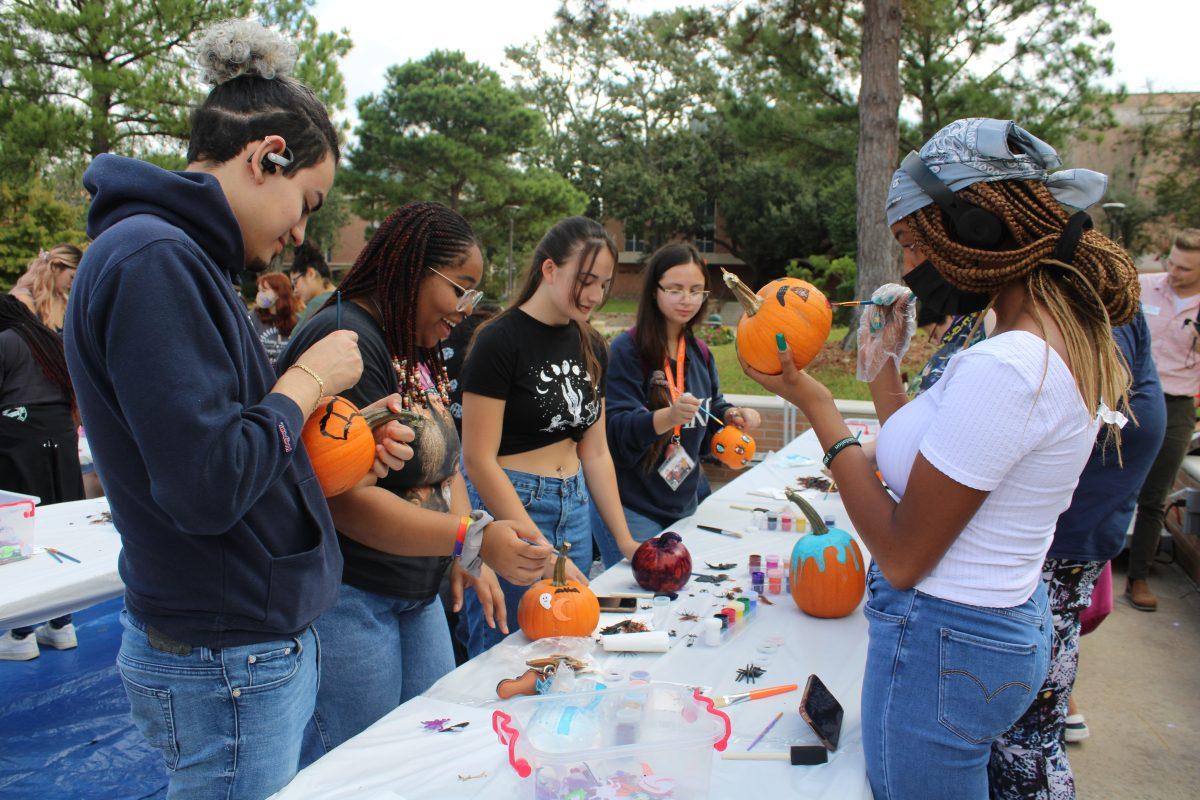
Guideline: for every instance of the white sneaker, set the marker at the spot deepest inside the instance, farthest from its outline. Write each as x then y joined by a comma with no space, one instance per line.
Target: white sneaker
14,649
59,638
1076,729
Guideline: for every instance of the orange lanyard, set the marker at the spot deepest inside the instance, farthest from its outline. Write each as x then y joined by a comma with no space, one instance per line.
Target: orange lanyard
676,385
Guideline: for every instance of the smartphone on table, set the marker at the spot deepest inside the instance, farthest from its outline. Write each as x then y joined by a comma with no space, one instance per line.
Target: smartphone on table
822,712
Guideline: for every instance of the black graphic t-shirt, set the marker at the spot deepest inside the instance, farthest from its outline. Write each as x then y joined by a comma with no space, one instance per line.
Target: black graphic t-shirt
454,353
538,370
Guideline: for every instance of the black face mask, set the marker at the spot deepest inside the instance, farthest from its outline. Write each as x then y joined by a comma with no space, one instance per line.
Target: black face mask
937,296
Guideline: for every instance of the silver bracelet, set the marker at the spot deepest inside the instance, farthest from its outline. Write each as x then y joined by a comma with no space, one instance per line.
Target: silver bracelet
471,559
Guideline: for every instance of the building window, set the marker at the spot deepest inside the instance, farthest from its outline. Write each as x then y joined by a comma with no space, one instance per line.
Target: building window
705,241
633,243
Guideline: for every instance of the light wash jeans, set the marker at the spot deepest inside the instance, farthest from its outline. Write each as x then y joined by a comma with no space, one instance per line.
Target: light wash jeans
943,681
228,723
559,507
378,652
641,526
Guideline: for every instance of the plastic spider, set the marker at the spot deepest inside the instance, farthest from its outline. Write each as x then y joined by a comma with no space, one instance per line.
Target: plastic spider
687,616
722,566
750,673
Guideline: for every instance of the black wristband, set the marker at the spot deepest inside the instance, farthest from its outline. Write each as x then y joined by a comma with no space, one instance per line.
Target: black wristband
838,447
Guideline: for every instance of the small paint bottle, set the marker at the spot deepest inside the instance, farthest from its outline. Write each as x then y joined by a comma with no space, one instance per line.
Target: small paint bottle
712,632
772,562
760,519
785,522
753,597
830,521
758,580
755,562
730,616
772,521
745,604
775,581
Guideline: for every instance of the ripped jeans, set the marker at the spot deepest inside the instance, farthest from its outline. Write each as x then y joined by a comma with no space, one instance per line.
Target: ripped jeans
943,681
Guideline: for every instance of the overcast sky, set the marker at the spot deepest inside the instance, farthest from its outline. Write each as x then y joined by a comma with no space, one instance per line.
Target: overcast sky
1156,40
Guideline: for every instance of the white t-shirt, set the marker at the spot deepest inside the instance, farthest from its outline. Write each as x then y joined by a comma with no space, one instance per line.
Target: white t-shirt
1005,418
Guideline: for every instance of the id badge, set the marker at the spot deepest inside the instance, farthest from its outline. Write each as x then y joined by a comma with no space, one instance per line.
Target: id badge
676,466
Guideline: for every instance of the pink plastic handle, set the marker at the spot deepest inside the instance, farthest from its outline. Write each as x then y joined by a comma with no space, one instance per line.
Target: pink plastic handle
508,735
723,742
26,514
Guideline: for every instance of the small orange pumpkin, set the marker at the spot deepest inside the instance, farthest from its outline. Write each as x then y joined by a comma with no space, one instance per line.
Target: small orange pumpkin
790,306
732,447
557,606
827,572
339,442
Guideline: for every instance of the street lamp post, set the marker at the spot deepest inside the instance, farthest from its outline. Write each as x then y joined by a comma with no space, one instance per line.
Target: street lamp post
512,220
1112,212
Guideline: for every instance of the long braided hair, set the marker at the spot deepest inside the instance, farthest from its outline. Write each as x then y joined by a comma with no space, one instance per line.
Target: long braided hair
43,343
390,270
1086,299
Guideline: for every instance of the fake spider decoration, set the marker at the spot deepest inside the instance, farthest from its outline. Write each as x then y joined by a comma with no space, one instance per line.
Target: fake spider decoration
687,616
691,639
624,626
721,578
722,566
750,673
818,482
762,598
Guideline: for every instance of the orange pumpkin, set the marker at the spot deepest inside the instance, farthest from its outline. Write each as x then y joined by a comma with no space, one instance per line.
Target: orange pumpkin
732,447
790,306
339,442
557,606
827,571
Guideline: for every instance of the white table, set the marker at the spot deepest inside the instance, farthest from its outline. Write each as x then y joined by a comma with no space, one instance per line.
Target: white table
396,758
39,588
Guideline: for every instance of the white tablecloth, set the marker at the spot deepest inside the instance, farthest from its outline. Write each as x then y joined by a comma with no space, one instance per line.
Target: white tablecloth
396,758
39,588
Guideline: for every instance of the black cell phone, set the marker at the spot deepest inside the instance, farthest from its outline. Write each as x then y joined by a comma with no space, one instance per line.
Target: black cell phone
617,604
822,712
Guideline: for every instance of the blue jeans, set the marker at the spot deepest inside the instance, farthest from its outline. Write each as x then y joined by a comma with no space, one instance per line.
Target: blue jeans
378,652
943,681
228,723
559,507
641,526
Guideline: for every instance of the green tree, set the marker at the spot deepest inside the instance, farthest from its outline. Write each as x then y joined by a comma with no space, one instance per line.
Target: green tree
447,129
31,219
1177,194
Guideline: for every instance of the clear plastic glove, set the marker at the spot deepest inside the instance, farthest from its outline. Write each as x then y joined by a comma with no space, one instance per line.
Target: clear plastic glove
885,329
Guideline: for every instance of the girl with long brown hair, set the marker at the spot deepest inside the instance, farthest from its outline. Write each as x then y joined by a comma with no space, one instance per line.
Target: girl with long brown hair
985,461
46,284
534,442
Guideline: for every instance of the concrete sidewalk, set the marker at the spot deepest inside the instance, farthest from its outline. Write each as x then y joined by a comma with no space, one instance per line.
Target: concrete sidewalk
1139,688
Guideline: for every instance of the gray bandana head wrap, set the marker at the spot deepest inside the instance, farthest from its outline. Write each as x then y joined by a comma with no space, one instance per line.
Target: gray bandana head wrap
969,151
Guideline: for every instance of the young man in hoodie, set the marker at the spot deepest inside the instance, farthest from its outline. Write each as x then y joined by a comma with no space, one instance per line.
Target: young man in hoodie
229,551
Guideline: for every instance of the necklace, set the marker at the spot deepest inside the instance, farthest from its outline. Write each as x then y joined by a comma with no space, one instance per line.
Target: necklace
417,385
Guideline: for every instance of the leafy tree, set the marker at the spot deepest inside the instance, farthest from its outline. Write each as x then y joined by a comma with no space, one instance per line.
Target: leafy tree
447,129
31,219
1178,192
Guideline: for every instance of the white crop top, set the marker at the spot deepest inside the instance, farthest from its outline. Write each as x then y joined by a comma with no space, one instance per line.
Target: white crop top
1005,420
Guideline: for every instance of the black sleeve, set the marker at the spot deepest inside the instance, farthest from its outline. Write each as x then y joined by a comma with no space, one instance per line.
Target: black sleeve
491,362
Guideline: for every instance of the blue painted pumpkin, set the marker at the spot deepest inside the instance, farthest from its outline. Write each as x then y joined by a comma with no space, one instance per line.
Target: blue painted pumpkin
827,571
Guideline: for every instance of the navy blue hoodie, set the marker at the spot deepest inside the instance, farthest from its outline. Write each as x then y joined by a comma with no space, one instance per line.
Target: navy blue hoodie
631,427
227,539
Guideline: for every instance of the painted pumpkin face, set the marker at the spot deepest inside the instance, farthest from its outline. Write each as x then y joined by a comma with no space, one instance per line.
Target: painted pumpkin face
339,444
558,607
732,447
790,306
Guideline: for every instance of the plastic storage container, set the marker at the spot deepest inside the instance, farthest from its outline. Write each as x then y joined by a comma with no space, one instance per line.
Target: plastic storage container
656,739
16,525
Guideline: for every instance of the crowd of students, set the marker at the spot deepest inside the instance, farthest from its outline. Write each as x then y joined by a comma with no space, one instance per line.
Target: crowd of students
265,624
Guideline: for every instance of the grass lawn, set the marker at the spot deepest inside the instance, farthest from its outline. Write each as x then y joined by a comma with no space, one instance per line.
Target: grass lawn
833,368
620,305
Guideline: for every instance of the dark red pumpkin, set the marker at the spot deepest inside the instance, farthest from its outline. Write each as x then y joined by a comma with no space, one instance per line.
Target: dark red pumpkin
662,564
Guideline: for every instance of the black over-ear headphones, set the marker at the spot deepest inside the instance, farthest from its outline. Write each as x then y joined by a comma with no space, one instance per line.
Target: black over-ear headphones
973,226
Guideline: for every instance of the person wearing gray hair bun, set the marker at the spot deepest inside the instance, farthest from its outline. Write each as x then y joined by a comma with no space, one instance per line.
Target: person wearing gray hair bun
229,552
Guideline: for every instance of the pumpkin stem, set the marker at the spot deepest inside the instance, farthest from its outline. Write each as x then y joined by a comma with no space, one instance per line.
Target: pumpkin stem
560,566
814,519
749,300
382,416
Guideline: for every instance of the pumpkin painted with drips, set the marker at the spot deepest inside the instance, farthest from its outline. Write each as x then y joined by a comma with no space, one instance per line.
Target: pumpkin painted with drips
339,442
790,306
557,606
827,572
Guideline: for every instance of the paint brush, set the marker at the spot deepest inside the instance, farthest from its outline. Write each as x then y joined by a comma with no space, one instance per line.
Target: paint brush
798,754
721,531
856,303
731,699
338,318
765,731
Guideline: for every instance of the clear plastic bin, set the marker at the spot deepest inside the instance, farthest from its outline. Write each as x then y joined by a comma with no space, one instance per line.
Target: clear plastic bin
656,740
16,525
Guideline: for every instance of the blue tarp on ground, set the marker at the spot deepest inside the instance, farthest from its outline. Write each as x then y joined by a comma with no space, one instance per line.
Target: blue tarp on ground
64,722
